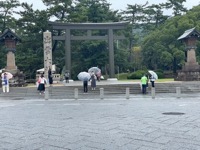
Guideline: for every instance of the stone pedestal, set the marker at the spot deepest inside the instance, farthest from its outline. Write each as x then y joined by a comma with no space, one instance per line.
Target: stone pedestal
191,56
18,77
11,61
188,76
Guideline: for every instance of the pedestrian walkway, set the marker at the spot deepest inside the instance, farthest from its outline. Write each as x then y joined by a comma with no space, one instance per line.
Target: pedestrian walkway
140,123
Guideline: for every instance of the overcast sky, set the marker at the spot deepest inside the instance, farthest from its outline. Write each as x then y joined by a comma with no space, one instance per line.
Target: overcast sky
119,4
122,4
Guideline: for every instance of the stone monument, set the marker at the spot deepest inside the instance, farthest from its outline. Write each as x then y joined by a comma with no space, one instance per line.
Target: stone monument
191,70
10,40
47,42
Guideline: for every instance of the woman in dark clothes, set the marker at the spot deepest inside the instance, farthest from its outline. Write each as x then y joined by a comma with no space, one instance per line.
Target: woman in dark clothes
50,76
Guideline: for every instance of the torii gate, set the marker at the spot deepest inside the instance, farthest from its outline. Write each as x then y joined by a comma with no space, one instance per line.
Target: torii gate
89,27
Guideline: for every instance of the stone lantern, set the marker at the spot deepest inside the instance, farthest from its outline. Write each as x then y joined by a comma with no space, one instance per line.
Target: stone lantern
10,40
191,69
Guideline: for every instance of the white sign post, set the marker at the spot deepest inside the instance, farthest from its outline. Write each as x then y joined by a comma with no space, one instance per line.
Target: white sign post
47,40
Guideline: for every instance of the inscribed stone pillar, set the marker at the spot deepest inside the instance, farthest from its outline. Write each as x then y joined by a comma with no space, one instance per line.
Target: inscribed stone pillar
47,39
47,52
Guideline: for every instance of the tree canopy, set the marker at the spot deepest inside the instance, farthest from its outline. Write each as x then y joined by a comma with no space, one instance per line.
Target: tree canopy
151,37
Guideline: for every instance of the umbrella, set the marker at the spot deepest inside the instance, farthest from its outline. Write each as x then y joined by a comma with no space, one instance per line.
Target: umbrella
84,76
9,75
96,70
153,74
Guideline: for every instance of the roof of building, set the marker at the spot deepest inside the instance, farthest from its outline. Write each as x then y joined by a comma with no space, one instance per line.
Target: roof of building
189,33
9,34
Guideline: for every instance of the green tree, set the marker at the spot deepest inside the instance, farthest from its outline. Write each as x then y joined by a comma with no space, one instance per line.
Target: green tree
135,15
31,25
164,39
59,9
155,15
176,5
6,14
167,60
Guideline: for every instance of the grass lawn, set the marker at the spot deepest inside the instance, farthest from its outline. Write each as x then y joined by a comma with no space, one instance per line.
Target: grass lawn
165,80
159,80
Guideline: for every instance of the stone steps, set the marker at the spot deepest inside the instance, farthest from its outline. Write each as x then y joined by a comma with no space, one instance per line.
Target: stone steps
63,92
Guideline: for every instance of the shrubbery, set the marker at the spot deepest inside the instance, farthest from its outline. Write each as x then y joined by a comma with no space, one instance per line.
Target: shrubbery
137,74
122,76
160,74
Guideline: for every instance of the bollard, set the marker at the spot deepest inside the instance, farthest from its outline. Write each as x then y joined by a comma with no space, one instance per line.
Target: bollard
153,93
76,93
127,93
101,93
46,94
178,92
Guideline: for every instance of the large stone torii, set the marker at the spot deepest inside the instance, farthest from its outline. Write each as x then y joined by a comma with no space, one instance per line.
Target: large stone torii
89,27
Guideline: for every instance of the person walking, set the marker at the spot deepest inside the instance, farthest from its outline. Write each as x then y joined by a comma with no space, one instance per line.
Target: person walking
50,76
85,85
67,77
93,81
144,84
5,83
152,80
42,81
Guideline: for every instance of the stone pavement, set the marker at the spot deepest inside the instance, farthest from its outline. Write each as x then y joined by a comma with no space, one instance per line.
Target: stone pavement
109,124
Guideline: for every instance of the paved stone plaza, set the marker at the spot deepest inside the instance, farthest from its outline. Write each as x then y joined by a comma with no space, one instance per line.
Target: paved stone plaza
109,124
